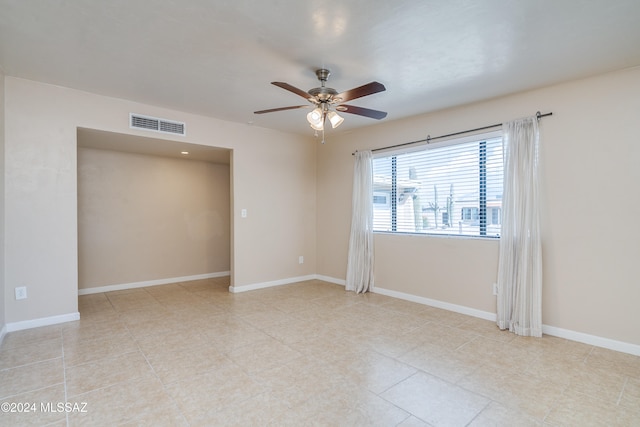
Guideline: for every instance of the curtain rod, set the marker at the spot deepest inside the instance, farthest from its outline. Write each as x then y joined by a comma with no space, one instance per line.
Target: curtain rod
430,138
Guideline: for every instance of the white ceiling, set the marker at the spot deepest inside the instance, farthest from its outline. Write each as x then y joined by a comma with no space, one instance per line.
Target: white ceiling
101,140
217,58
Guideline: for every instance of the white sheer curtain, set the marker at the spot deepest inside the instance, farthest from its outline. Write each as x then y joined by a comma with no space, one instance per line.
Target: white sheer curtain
360,262
520,261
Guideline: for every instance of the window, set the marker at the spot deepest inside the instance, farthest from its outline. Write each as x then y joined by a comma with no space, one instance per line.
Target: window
470,214
451,188
381,199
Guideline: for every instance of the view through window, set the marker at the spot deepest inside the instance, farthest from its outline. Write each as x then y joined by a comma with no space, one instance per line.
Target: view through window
450,188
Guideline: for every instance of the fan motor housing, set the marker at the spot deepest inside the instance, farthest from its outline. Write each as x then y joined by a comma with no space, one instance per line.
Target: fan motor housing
323,93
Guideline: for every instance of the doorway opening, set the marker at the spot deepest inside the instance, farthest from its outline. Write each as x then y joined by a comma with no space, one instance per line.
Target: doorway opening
151,211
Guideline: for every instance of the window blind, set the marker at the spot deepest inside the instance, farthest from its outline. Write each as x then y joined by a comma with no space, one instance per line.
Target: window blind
451,188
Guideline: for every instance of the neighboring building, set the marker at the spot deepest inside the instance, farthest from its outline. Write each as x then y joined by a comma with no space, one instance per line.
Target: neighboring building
413,216
408,219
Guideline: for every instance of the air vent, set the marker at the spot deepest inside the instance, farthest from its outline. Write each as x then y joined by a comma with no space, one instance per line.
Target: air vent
138,121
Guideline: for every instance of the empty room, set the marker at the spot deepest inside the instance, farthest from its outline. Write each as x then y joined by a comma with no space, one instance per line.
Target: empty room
331,213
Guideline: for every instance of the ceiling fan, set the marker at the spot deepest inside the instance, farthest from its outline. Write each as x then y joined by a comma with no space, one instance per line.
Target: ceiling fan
328,102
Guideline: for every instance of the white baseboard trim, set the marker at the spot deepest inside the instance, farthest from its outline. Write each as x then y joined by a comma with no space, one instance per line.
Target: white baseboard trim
42,321
134,285
621,346
3,332
438,304
254,286
546,329
333,280
594,340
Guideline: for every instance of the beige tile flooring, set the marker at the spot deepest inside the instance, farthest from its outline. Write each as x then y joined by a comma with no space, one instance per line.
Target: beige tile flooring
306,354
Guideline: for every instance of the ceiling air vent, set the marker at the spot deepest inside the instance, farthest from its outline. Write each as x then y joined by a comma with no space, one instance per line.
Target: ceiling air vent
138,121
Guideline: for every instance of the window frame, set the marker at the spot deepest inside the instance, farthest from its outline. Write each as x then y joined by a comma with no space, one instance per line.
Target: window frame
485,220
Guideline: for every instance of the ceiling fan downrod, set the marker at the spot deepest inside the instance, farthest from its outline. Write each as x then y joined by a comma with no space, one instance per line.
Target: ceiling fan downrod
323,94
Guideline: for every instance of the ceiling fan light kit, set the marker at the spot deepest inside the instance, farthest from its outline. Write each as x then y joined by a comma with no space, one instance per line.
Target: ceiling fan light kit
315,119
335,119
327,101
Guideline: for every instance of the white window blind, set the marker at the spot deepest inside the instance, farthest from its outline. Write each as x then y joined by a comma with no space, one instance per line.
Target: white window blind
450,188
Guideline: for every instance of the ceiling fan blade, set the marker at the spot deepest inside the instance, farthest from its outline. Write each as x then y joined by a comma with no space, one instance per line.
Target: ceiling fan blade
287,86
366,112
359,92
271,110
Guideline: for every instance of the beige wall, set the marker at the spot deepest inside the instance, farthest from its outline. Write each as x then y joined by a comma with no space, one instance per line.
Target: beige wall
143,217
589,159
273,177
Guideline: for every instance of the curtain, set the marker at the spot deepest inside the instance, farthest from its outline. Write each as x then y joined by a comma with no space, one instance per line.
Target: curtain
519,306
360,258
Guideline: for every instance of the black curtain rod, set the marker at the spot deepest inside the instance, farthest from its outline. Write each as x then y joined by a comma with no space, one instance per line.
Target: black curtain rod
429,138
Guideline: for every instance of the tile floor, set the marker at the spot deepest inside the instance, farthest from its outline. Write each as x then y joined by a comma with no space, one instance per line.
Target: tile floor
306,354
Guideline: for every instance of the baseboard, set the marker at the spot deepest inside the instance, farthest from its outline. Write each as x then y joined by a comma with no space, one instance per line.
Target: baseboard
438,304
594,340
42,321
134,285
333,280
620,346
549,330
254,286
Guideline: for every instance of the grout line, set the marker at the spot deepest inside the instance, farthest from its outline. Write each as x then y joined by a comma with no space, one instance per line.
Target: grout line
467,342
11,396
106,387
31,364
164,389
101,359
546,415
588,354
398,382
626,381
8,347
490,401
110,303
411,414
64,376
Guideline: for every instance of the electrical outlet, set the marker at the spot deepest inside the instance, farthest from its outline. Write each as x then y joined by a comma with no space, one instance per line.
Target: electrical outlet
21,292
300,259
243,213
495,289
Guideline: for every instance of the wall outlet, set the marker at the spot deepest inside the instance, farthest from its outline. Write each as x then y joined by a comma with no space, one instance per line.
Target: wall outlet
300,259
495,289
21,292
243,213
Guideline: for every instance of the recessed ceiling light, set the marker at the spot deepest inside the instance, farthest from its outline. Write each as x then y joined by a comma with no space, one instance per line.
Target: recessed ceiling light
184,152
